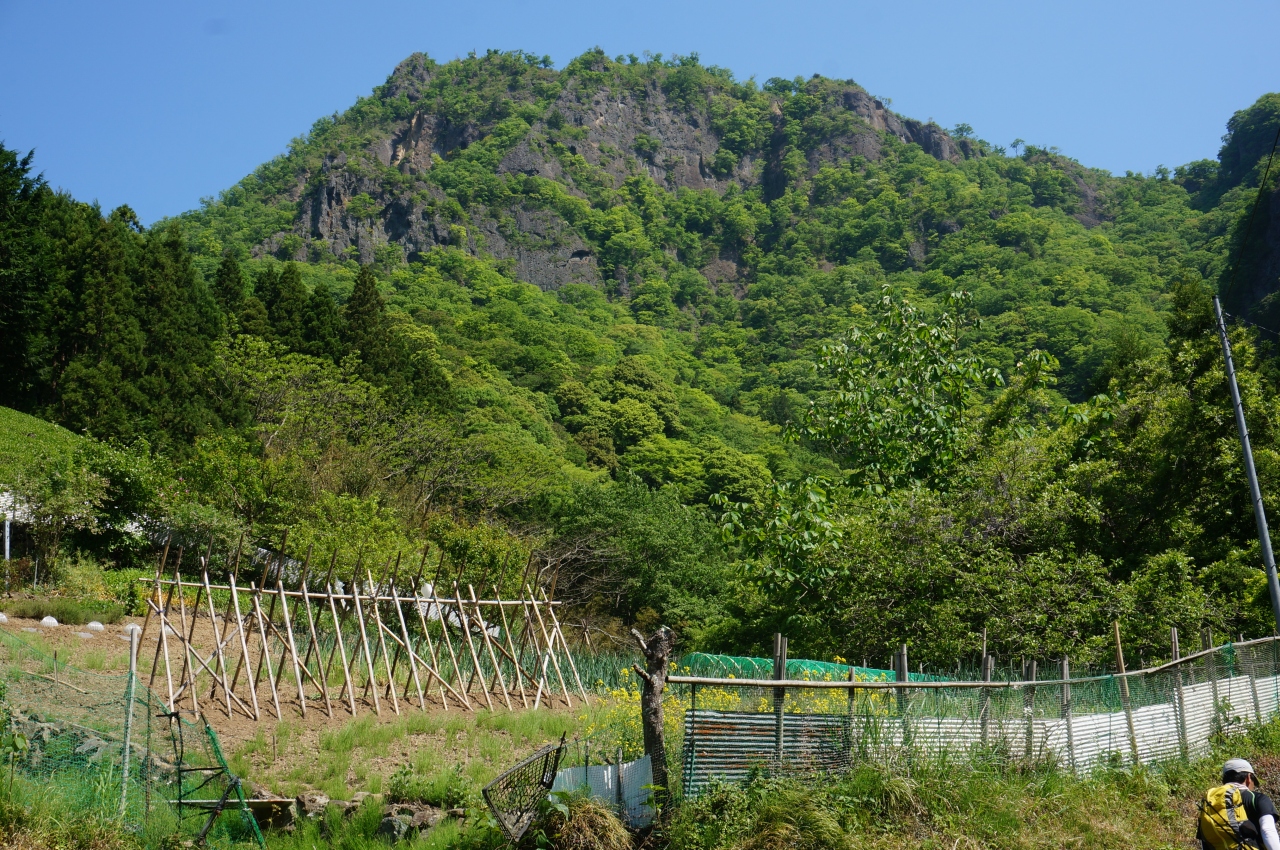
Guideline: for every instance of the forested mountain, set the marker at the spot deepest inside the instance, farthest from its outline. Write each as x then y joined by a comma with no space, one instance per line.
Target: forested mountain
734,357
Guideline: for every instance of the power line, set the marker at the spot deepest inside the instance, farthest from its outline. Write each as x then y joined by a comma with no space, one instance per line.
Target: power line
1245,321
1244,242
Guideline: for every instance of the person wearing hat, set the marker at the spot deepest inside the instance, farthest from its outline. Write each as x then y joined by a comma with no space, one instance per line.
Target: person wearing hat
1236,814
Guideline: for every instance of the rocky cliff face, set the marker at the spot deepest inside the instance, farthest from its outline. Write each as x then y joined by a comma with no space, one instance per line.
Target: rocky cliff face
350,207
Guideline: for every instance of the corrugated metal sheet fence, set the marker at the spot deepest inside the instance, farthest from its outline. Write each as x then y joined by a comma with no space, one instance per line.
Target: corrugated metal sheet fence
736,727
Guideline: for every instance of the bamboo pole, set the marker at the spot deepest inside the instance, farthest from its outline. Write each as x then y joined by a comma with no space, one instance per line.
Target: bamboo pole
386,660
448,642
162,643
374,598
271,611
217,640
284,604
364,643
314,641
346,614
293,651
243,662
395,658
551,649
328,579
226,615
187,672
404,630
164,557
340,646
435,657
256,596
493,657
506,633
475,659
555,624
244,647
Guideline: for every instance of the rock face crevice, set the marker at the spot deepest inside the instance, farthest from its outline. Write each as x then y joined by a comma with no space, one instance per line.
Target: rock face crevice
592,137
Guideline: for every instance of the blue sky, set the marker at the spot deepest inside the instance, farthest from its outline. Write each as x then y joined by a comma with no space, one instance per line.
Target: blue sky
157,104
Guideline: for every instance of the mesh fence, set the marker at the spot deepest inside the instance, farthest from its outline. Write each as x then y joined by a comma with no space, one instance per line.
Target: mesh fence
740,667
735,729
103,743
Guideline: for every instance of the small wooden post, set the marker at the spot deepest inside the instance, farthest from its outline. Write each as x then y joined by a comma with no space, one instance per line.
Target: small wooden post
515,662
984,704
1124,692
779,696
340,646
1029,707
244,648
1180,707
1066,711
265,654
1211,670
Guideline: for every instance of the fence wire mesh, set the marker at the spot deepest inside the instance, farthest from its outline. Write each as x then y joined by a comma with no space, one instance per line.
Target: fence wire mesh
734,730
166,782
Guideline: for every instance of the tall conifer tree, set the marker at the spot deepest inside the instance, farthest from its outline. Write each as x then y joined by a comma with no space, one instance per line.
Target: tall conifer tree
287,310
367,328
228,286
322,325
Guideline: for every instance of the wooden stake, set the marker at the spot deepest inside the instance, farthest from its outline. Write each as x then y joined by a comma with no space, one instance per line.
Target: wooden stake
187,672
340,646
493,657
435,657
271,610
217,639
506,633
164,645
231,579
448,642
471,646
1124,692
568,654
314,641
262,633
244,645
386,659
404,630
156,593
346,615
293,649
333,562
364,643
551,650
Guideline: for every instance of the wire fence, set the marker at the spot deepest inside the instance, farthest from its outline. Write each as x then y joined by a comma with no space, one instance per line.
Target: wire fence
738,727
104,743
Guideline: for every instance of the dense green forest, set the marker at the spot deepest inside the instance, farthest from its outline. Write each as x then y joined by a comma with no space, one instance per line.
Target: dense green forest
734,357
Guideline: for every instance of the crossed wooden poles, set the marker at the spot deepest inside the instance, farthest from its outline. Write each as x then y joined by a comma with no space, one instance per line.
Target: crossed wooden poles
449,651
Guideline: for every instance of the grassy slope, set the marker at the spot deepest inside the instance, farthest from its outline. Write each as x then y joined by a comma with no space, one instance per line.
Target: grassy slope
25,439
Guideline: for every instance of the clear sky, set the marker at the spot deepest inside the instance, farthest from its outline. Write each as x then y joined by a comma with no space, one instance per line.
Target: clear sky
157,104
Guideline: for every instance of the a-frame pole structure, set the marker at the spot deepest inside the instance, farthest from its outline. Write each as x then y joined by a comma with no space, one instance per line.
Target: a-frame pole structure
1255,492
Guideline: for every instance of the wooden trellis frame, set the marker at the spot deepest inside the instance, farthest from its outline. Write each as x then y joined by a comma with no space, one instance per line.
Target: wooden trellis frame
416,647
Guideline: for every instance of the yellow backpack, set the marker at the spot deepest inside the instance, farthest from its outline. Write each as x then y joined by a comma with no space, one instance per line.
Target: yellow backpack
1221,814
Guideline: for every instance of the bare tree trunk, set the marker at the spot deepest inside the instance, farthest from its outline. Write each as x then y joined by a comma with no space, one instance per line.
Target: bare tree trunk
657,653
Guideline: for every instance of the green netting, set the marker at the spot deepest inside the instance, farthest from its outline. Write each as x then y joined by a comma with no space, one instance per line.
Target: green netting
1172,712
738,667
105,743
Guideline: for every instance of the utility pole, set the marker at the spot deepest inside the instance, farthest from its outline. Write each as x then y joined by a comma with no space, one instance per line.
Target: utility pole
1255,493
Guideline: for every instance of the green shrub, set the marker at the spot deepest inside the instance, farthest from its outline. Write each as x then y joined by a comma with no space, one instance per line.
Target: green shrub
448,789
66,611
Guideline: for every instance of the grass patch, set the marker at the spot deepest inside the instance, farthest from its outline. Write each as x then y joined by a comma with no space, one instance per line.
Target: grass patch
72,612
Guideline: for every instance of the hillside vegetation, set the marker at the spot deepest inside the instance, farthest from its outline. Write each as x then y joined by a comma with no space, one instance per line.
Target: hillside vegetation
734,357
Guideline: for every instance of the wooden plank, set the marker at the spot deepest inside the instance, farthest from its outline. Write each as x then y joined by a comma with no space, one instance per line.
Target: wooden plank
493,657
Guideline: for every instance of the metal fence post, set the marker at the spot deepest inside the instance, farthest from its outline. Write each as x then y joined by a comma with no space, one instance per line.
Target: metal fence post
1066,711
1029,707
984,706
128,720
1211,670
1180,699
779,694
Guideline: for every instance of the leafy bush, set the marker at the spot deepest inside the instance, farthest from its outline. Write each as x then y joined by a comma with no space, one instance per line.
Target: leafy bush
448,789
